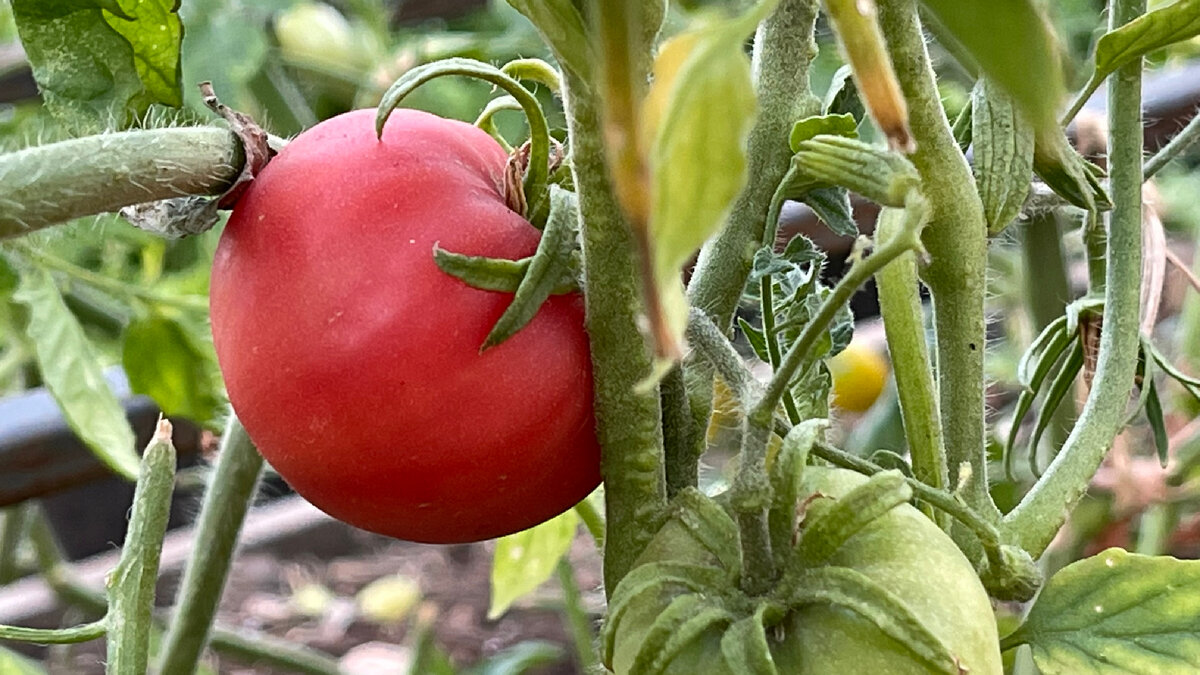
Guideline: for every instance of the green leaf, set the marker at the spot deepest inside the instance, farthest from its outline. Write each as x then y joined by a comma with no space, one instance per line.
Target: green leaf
842,96
72,372
101,63
832,206
164,362
1154,415
561,25
839,125
1174,23
12,663
521,658
523,561
705,99
1117,612
1012,43
225,44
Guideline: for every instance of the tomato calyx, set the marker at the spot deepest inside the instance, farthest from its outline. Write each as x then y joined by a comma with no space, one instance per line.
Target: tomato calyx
684,603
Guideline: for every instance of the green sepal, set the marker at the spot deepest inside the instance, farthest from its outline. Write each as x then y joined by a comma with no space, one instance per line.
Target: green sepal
1012,577
658,577
683,621
548,267
745,645
1003,142
787,474
827,529
1066,172
711,526
855,592
882,176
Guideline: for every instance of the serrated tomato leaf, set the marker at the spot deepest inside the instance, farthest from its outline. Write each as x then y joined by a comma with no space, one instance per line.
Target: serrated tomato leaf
72,373
1117,612
1174,23
523,561
102,63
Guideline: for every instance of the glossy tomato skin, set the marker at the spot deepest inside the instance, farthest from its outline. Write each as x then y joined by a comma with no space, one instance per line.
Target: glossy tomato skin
353,361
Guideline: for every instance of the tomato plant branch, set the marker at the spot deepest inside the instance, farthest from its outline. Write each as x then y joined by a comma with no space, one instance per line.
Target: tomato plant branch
1034,522
628,420
593,521
682,462
710,343
957,243
56,636
1181,141
50,184
234,482
783,50
904,325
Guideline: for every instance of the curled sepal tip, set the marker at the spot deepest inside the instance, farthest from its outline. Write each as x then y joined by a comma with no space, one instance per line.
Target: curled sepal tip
539,131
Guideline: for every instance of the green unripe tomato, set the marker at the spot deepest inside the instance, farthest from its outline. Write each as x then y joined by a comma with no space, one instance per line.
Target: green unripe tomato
910,556
902,551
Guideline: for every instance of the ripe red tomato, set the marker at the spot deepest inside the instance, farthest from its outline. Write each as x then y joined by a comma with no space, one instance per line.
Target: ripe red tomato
353,361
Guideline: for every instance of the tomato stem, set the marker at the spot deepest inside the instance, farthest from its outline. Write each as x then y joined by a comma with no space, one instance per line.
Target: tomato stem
906,240
628,420
1035,521
50,184
957,243
904,324
783,51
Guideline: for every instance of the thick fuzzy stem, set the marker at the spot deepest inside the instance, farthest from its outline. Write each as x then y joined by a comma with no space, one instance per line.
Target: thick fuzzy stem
628,419
957,243
50,184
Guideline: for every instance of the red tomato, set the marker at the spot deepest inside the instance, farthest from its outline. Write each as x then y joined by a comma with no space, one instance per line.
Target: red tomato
353,361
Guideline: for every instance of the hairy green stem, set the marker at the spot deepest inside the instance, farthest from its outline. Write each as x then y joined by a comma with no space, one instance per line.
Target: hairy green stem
774,352
904,325
957,243
234,482
628,420
1183,140
783,51
50,184
750,496
1034,522
682,461
709,343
